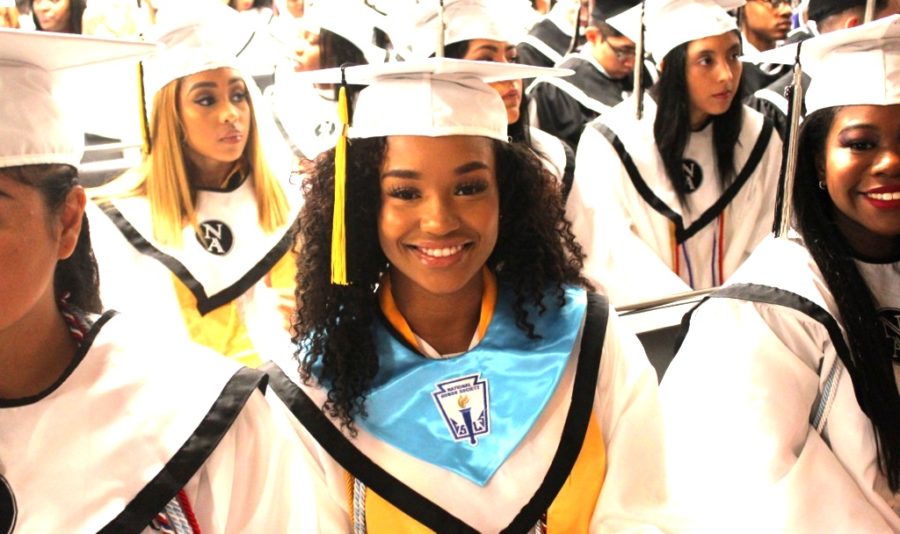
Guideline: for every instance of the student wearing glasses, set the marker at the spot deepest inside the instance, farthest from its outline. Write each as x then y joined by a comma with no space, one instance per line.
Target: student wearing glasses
676,201
825,16
764,25
603,76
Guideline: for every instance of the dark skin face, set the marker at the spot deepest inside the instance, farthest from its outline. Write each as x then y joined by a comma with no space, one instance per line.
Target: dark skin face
861,171
438,225
765,23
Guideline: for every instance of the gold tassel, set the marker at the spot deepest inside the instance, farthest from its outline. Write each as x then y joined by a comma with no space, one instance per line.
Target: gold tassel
142,106
338,223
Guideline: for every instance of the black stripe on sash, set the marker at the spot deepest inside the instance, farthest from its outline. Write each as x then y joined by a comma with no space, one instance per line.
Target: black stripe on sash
190,457
682,234
779,297
578,418
417,506
205,303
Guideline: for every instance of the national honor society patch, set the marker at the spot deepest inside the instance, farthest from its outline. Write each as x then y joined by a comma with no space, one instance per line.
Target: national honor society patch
217,238
7,507
464,404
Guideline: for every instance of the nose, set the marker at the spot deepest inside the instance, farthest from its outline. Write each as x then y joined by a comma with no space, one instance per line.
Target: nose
439,216
725,74
888,162
229,113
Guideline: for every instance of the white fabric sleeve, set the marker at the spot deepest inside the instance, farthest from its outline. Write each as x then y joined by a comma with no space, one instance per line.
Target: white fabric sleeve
257,479
328,478
634,491
741,454
618,260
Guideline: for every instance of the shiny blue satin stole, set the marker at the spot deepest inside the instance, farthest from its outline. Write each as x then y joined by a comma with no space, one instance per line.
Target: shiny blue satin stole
520,374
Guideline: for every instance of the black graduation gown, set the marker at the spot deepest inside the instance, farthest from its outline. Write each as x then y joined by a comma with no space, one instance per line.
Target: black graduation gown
565,105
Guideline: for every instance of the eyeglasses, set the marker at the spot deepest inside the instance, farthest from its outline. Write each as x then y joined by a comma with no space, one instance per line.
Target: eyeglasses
622,53
775,4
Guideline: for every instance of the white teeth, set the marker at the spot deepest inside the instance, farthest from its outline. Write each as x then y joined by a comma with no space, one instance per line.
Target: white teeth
884,196
441,252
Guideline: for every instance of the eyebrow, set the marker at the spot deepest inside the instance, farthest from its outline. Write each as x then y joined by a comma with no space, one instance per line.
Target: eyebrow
406,174
859,126
489,48
213,85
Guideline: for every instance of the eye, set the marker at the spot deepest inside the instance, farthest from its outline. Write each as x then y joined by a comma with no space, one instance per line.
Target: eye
471,188
704,61
205,100
857,143
239,96
402,192
860,145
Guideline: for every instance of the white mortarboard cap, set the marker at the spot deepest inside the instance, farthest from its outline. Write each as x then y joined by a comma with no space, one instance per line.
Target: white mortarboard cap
673,22
463,20
354,21
36,129
867,55
628,22
859,65
193,37
431,97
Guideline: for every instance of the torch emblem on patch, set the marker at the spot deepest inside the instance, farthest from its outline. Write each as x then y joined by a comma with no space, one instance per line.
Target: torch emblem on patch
464,404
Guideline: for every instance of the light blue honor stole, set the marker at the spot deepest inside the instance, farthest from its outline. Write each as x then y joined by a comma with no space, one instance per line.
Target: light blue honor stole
468,413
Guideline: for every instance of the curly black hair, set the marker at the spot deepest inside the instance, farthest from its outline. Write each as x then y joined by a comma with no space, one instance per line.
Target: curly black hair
535,250
870,360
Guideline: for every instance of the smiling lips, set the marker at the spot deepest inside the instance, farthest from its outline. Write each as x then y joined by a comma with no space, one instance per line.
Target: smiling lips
884,197
440,256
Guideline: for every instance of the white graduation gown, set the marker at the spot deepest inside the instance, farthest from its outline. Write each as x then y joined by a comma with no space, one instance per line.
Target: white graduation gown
626,235
625,406
307,115
739,399
135,419
137,273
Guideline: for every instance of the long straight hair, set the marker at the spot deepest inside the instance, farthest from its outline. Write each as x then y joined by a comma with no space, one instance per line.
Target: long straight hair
163,176
870,360
672,129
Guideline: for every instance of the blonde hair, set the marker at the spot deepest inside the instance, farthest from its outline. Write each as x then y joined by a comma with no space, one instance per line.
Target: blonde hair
163,175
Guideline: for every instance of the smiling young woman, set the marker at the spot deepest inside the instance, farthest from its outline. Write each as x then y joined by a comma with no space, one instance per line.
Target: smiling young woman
203,224
805,401
464,347
688,190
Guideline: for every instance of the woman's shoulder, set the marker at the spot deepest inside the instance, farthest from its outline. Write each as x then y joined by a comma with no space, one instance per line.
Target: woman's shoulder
784,264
